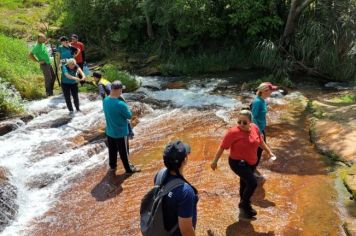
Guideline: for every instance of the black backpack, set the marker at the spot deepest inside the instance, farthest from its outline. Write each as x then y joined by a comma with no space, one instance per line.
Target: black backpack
151,211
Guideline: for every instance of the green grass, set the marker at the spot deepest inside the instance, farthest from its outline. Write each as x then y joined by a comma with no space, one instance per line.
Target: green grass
23,17
345,98
112,73
16,68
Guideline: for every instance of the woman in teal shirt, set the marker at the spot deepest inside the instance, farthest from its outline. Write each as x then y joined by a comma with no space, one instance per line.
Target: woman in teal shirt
259,111
71,74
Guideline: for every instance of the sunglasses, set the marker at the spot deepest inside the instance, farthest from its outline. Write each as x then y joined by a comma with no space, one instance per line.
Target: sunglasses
242,122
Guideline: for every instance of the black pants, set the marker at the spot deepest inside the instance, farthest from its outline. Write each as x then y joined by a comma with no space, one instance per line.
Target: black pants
120,145
248,182
71,89
260,150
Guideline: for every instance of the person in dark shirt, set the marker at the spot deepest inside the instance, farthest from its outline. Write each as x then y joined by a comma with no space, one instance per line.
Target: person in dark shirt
66,51
180,205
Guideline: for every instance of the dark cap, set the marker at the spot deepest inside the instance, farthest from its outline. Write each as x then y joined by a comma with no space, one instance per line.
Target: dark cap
175,152
117,85
74,36
97,75
63,38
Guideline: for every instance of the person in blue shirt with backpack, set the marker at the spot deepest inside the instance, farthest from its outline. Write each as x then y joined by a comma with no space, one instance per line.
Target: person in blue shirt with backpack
177,199
117,113
259,112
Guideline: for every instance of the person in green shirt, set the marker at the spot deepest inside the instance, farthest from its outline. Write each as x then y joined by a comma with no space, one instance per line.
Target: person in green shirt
39,54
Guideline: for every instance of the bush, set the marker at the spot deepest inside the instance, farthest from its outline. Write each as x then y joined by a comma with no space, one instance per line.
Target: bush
112,73
16,68
10,100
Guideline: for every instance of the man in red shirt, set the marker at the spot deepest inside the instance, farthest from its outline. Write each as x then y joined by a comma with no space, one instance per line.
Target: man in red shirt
80,58
243,141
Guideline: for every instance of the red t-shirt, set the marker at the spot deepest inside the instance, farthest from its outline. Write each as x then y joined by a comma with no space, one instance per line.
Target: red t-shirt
243,145
80,46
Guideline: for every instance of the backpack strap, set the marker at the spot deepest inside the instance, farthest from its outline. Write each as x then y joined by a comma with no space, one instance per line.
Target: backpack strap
161,175
171,185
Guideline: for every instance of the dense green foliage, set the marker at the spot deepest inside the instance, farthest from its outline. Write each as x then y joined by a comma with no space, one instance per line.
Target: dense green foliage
16,68
112,73
324,45
197,36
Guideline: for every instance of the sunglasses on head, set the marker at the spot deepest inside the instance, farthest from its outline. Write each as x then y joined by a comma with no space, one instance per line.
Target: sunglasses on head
242,122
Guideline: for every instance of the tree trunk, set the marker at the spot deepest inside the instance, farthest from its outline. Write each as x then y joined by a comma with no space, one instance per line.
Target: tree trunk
149,26
296,9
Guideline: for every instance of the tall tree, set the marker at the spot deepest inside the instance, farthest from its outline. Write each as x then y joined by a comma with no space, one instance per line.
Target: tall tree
295,11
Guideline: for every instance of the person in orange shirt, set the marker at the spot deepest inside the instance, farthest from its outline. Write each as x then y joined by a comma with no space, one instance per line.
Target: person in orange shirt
80,58
242,141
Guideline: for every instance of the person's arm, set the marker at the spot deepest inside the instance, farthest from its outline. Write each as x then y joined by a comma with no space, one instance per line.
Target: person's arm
186,208
126,113
256,110
186,226
79,70
83,53
75,51
264,146
71,77
33,58
218,154
102,90
225,144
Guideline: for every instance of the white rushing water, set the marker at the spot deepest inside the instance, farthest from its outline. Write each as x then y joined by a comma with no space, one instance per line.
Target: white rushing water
43,159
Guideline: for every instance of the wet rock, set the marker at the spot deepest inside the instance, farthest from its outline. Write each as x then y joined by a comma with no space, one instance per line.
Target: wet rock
55,123
340,86
156,104
135,96
43,180
175,85
8,195
149,71
10,125
350,228
151,87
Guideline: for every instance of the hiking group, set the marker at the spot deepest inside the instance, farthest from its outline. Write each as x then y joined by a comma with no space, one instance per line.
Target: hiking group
170,207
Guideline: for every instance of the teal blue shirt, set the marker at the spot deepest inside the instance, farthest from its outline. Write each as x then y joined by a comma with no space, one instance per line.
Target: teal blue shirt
66,52
65,70
116,114
259,112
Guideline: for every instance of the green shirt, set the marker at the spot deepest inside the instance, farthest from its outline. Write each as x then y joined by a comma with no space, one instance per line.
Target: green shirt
40,52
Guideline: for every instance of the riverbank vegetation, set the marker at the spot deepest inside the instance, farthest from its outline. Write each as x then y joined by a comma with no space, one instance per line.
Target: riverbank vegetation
202,36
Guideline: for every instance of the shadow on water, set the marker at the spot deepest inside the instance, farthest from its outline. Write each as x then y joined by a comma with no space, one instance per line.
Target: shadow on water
259,197
245,228
109,186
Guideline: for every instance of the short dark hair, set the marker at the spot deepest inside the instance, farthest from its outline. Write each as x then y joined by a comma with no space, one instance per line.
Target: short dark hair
97,75
63,39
